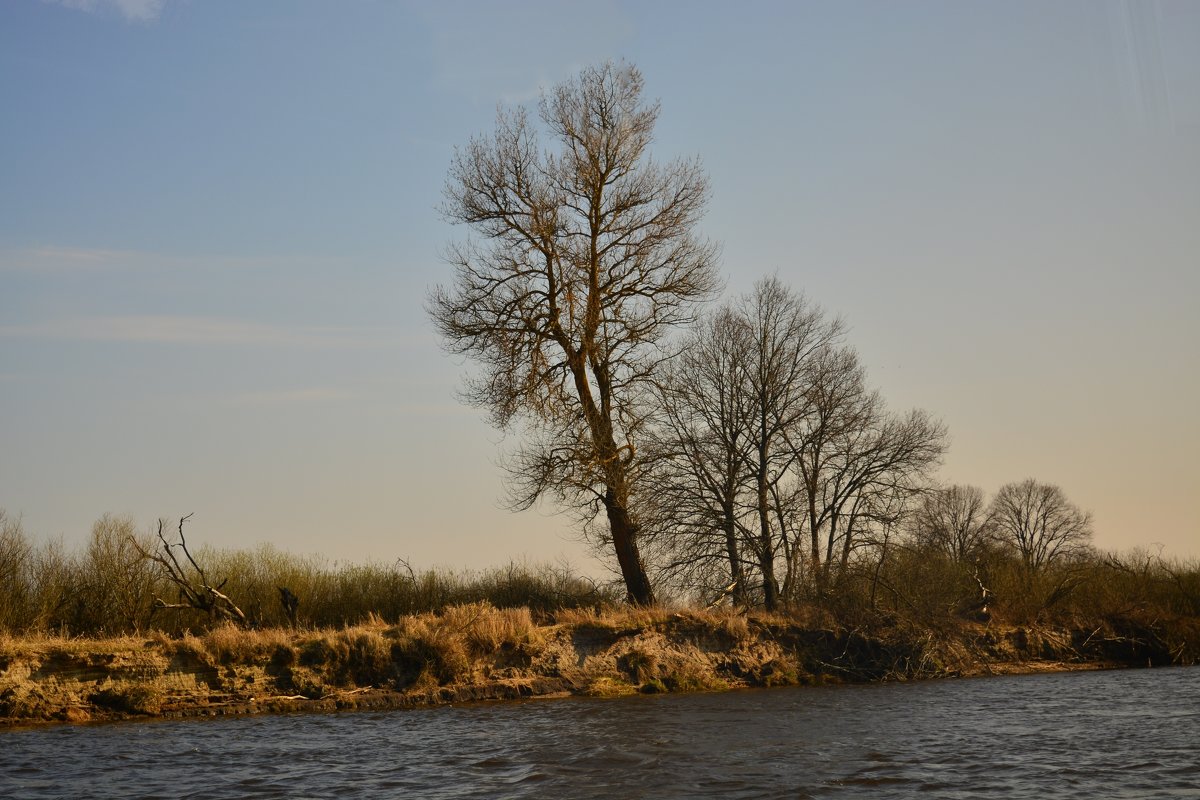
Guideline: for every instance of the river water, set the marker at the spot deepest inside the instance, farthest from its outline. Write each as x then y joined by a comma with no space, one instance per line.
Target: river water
1119,734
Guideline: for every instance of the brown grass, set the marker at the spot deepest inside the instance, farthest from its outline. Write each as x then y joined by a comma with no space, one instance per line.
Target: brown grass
605,652
228,644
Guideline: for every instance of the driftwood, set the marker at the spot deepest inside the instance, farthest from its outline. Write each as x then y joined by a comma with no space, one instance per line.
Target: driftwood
980,608
726,592
196,591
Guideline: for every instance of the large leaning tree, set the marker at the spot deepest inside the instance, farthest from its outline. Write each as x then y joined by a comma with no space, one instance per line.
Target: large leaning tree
584,258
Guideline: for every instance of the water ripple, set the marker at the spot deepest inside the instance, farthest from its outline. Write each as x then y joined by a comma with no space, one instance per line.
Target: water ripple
1112,734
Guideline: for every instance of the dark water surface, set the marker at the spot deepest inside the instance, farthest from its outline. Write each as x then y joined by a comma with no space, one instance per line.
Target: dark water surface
1122,734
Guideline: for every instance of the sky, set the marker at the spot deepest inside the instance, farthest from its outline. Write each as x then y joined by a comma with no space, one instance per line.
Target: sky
219,225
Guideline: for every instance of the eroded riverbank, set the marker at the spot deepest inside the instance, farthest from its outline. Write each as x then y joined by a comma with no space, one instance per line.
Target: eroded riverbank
476,652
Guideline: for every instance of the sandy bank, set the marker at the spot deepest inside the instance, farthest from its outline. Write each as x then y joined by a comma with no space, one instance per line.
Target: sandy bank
474,653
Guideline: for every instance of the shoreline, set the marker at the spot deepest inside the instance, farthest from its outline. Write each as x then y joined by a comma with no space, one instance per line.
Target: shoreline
477,653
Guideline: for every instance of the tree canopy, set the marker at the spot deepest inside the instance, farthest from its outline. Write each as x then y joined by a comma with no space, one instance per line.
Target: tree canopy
585,257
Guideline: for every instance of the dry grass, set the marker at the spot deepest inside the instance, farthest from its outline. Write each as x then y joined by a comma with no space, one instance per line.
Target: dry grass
603,651
47,643
130,697
612,617
576,616
608,686
488,629
228,644
420,652
427,651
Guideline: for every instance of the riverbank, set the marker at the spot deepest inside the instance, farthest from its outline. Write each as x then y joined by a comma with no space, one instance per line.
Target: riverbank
476,652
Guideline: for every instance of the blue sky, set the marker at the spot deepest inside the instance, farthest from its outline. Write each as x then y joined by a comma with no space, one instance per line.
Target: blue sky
218,225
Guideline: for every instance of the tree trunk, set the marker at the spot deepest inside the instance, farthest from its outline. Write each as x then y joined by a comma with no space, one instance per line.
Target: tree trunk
847,543
814,531
736,573
624,536
766,549
766,554
770,588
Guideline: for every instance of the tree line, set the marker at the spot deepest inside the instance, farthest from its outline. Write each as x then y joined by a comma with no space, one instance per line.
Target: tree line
929,575
118,582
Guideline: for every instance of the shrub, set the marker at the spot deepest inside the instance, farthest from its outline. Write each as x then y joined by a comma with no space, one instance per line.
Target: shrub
130,698
640,664
16,561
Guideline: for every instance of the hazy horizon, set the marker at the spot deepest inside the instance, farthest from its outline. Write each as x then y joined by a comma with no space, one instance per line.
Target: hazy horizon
218,227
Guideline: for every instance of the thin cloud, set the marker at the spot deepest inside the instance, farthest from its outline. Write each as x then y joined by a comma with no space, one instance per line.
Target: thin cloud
321,395
194,330
67,259
131,10
570,33
435,410
289,397
53,258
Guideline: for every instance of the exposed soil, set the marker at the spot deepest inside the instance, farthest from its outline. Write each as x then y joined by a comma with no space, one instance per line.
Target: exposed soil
456,659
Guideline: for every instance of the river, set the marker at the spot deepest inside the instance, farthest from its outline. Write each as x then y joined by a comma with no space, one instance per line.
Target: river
1118,734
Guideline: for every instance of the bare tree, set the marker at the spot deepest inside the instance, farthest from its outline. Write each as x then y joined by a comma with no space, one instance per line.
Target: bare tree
736,389
16,559
118,579
587,260
858,463
954,520
1038,521
700,456
785,462
786,335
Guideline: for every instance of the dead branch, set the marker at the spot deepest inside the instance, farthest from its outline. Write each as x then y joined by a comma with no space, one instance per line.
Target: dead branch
728,590
196,591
